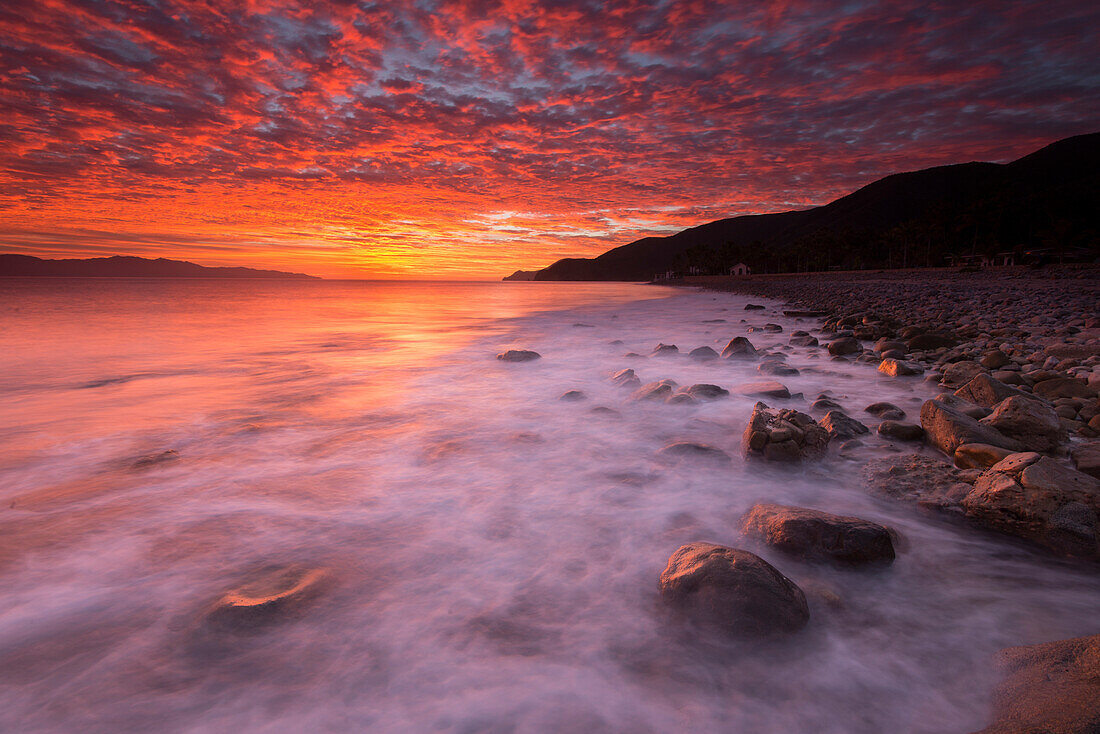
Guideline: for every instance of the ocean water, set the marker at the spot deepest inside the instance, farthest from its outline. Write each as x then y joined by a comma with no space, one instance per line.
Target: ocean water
490,552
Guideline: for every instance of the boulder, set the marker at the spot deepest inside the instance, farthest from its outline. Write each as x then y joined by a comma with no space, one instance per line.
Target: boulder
825,404
734,591
886,411
844,345
1032,423
518,355
783,435
1064,387
1086,458
276,595
994,360
947,427
676,452
958,374
739,348
813,533
986,391
886,344
702,354
1053,688
661,390
841,426
572,396
704,391
916,478
666,350
626,378
1040,500
776,368
768,389
901,431
979,455
803,341
897,368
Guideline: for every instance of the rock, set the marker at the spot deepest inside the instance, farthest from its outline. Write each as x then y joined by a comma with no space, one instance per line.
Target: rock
1039,500
704,391
1086,458
924,342
739,348
803,341
994,360
825,404
518,355
754,307
957,374
769,388
776,368
681,398
841,426
277,595
666,350
807,532
734,591
1053,688
947,428
783,435
703,354
1073,351
843,346
916,478
885,344
661,390
901,431
676,452
986,391
1064,387
1033,424
897,368
626,378
979,455
572,396
887,411
151,460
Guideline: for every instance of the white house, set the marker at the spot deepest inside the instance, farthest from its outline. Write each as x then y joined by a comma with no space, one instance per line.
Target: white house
740,269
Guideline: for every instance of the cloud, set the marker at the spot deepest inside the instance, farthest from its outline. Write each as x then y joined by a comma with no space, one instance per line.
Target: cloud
386,135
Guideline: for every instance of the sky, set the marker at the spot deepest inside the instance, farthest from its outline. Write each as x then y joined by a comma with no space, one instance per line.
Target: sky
469,139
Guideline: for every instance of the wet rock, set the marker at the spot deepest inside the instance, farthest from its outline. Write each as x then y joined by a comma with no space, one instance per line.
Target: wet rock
773,328
886,411
841,426
900,431
1039,500
739,348
814,533
783,435
734,591
776,368
681,398
803,341
825,405
1033,424
843,346
979,455
947,427
661,390
151,460
666,350
1064,387
703,354
626,378
705,391
897,368
1086,458
682,450
1052,688
886,344
754,307
769,389
916,478
278,595
572,396
925,342
518,355
958,374
986,391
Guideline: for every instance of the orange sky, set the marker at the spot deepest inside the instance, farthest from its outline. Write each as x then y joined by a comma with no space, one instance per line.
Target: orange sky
470,139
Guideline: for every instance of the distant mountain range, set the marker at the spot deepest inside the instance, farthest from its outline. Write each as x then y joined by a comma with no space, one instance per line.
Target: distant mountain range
120,266
1047,200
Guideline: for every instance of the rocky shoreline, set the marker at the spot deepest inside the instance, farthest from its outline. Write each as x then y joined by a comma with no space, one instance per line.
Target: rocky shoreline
1016,353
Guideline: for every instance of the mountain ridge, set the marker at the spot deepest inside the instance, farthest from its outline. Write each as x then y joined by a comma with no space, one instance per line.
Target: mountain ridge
128,266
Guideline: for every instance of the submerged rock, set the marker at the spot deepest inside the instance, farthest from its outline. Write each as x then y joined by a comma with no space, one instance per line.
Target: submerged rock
769,389
518,355
783,435
807,532
689,450
276,596
661,390
886,411
572,396
916,478
706,391
734,591
739,348
626,378
841,426
666,350
703,354
151,460
803,341
1053,688
776,368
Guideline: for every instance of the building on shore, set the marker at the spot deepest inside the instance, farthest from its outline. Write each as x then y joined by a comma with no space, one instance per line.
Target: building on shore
740,269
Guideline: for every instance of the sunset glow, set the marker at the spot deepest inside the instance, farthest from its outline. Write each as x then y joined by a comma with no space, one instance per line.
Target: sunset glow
470,139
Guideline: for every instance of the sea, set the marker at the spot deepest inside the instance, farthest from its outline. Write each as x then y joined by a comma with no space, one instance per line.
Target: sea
490,551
